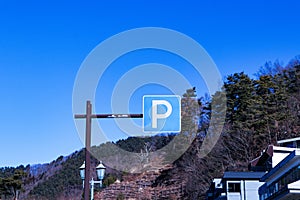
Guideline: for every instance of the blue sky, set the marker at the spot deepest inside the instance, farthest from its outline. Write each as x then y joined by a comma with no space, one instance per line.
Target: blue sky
43,43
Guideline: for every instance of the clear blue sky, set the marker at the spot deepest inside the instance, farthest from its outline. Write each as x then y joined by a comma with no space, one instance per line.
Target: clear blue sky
43,43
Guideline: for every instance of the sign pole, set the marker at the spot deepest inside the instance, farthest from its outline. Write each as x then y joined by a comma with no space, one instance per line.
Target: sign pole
87,150
88,117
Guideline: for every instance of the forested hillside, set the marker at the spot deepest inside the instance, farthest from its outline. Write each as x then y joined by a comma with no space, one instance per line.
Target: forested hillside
258,111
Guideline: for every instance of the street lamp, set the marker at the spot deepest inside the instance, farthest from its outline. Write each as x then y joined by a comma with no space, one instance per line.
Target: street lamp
100,169
81,170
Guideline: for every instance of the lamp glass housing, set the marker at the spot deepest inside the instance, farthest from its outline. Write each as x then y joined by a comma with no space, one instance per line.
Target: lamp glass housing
82,171
100,171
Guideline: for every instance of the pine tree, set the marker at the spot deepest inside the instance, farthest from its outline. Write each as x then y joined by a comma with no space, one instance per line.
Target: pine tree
239,131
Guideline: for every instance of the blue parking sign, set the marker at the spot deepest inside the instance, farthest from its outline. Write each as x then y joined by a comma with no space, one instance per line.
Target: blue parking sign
162,113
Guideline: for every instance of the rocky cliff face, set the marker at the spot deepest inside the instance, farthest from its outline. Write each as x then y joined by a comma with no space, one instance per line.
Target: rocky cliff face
143,186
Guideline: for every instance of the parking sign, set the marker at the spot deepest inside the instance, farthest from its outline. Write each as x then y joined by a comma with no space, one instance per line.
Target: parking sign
162,113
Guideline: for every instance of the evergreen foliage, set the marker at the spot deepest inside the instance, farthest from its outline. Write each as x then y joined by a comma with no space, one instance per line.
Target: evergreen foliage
67,177
11,181
258,112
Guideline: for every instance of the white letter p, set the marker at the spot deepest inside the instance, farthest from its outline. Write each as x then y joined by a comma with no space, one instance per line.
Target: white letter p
155,115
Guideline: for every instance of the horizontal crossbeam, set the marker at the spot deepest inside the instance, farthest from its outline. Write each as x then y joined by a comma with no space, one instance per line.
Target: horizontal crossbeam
82,116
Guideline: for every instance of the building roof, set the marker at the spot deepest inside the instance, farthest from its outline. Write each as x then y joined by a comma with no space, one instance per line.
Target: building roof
268,152
283,149
288,140
292,156
261,160
243,175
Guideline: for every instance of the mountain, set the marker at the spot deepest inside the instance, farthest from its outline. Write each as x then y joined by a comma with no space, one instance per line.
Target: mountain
257,112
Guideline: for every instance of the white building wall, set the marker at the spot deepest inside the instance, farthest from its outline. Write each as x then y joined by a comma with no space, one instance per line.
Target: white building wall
294,185
252,189
234,196
249,190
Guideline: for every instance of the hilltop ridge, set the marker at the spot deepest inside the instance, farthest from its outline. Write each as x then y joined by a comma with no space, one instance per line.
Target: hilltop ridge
254,119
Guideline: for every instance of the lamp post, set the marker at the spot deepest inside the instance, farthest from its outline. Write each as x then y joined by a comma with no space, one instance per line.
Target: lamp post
88,117
100,169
